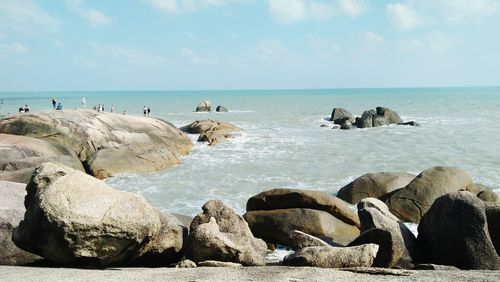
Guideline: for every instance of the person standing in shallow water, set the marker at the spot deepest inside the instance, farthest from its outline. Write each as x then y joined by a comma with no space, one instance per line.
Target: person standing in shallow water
144,110
149,111
54,102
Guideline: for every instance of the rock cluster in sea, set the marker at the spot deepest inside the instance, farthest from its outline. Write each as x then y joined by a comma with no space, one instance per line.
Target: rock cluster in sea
381,116
212,131
206,106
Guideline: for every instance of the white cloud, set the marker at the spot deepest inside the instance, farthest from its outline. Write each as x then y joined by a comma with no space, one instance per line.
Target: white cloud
25,16
180,6
128,54
206,58
371,38
404,16
465,10
290,11
352,8
323,48
94,17
270,48
435,42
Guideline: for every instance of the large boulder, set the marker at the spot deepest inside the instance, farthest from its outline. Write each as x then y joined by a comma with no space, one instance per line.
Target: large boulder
212,131
340,115
379,117
413,201
221,109
19,155
205,106
106,143
274,226
75,219
11,213
285,198
366,119
454,231
333,257
389,115
220,234
300,240
397,243
374,185
493,219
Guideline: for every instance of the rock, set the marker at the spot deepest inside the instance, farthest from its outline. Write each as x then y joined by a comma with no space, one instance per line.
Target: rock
221,234
205,106
380,121
340,115
221,109
274,226
300,240
74,219
346,125
413,201
476,188
380,271
106,143
430,266
185,264
397,243
19,155
285,198
488,196
390,115
454,231
11,213
411,123
215,263
366,119
493,219
216,137
332,257
373,185
184,219
212,131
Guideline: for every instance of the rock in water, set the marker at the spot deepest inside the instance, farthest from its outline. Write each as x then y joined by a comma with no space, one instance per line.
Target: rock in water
454,232
75,219
373,185
205,106
340,115
221,234
333,257
19,155
11,213
212,131
390,115
413,201
221,109
106,143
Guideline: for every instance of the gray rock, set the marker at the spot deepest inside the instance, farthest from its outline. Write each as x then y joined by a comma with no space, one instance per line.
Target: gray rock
332,257
300,240
221,109
390,115
373,185
185,264
285,198
205,106
380,121
410,123
493,219
340,115
274,226
221,234
74,219
488,196
215,263
430,266
390,246
454,231
11,213
346,125
212,131
413,201
366,120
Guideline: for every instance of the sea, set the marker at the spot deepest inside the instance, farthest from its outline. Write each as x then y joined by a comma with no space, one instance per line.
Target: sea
283,143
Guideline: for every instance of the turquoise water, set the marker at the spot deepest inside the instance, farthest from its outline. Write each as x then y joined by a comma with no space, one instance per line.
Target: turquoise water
283,144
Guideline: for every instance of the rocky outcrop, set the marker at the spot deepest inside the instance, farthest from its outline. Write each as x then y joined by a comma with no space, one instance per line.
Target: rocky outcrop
454,231
74,219
341,115
221,234
300,240
413,201
106,143
333,257
19,155
221,109
397,244
205,106
11,213
379,117
373,185
212,131
493,219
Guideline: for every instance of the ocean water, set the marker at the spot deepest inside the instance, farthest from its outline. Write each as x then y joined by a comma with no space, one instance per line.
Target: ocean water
284,145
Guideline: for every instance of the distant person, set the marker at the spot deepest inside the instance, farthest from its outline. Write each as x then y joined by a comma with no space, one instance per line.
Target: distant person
145,110
21,110
26,108
112,108
99,108
54,102
102,109
59,106
124,112
84,103
149,111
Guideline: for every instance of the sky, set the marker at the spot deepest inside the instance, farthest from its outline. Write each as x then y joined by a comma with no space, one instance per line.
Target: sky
63,45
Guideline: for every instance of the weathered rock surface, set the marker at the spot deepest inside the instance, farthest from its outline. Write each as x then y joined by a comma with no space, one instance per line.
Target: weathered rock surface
274,226
373,185
413,201
185,264
389,115
19,155
340,115
11,213
454,231
74,219
333,257
300,240
205,106
212,131
221,109
488,196
411,123
493,219
106,143
295,198
215,263
221,234
379,117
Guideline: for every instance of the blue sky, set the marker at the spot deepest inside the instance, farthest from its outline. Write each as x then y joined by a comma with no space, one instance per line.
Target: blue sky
247,44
